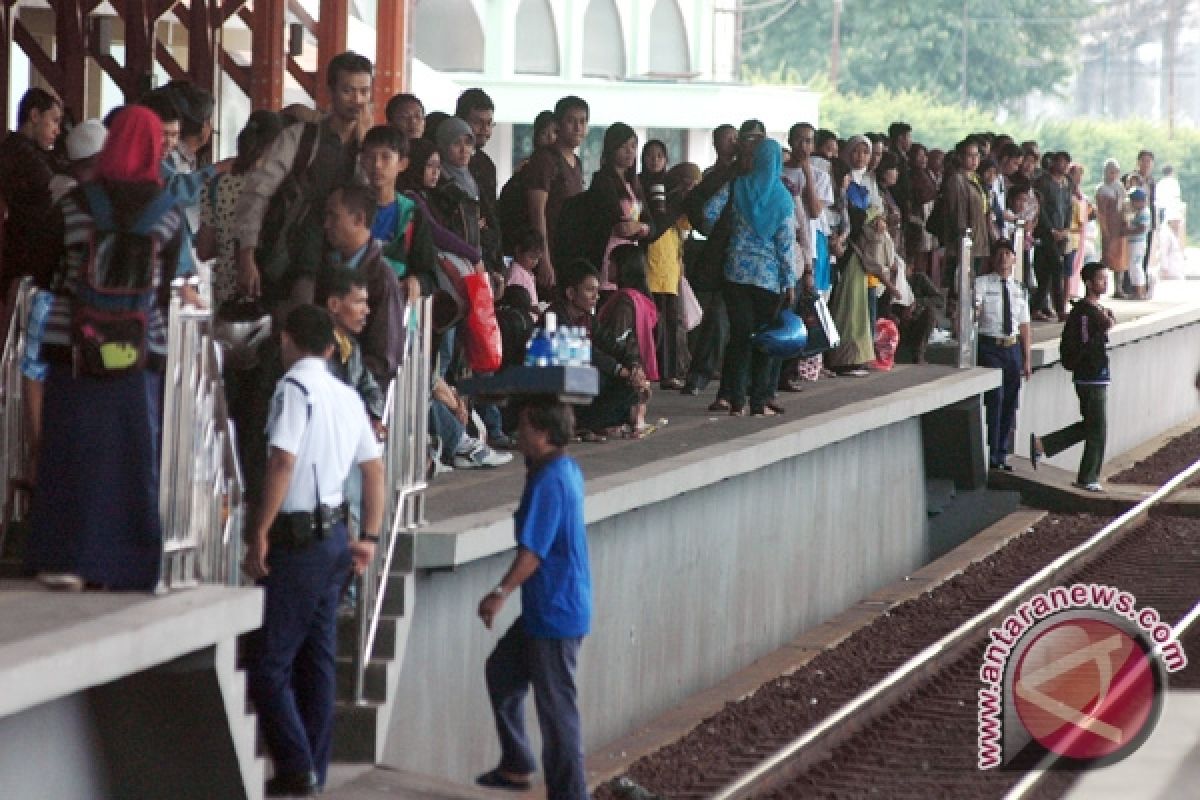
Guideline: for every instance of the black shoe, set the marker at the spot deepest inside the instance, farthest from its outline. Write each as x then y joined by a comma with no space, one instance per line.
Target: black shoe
297,784
495,780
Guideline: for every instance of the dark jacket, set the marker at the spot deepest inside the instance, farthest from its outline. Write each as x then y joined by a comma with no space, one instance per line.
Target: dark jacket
603,359
25,173
1092,326
354,373
382,339
706,271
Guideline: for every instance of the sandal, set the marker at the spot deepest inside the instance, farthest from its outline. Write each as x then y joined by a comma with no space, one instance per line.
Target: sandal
671,384
737,411
765,411
630,432
591,437
720,404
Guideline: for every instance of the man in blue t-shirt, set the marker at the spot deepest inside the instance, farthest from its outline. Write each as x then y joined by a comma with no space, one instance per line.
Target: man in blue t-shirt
541,647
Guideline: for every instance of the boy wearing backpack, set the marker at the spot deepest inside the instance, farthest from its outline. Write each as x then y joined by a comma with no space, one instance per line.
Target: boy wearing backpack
1083,352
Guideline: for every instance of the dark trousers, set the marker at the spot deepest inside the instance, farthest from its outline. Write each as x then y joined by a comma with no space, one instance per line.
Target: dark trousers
749,308
1001,404
671,340
518,662
291,676
1049,264
706,343
1092,430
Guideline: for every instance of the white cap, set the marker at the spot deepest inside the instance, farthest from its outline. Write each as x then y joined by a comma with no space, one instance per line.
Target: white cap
86,139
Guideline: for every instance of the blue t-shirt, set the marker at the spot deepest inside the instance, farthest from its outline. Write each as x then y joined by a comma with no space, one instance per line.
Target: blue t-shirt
556,601
384,227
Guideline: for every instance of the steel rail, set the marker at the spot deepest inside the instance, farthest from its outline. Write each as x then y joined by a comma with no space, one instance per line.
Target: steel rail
785,761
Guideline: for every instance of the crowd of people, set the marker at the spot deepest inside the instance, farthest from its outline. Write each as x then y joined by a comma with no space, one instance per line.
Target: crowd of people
333,224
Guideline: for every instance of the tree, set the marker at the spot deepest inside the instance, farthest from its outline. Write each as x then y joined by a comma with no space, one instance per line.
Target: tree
1013,47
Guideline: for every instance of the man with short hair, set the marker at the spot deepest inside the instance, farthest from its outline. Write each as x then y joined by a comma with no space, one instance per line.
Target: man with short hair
299,551
406,112
349,212
25,173
330,158
1088,323
553,175
724,141
1053,228
343,293
1004,343
541,647
476,108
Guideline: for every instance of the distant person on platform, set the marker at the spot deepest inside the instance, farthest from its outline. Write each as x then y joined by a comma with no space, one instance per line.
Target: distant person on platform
1090,323
553,175
1004,342
475,107
329,159
26,168
300,553
541,647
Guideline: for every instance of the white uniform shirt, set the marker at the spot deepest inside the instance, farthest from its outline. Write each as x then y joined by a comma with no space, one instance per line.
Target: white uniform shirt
989,297
323,423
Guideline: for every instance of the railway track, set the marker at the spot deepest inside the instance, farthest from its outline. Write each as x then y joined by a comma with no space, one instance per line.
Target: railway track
915,734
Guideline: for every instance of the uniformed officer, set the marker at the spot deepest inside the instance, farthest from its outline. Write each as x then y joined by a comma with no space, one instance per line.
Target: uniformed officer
317,431
1004,341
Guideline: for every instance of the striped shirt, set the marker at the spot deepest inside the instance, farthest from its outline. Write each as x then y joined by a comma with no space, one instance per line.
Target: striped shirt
78,229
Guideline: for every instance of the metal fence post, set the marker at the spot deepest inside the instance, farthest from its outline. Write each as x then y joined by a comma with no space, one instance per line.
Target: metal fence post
966,304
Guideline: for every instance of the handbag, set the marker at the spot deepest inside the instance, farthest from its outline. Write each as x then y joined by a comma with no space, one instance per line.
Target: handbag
689,306
822,332
483,344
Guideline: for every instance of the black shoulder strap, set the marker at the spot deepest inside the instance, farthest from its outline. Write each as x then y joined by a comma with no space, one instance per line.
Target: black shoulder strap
303,390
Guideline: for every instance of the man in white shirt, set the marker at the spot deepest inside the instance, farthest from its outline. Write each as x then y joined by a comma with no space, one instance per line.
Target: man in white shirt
298,551
1004,341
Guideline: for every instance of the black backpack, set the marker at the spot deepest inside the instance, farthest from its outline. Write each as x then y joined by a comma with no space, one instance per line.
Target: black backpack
110,306
1070,347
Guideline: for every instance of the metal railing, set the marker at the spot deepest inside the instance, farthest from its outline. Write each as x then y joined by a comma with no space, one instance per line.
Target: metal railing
407,413
201,498
14,433
966,304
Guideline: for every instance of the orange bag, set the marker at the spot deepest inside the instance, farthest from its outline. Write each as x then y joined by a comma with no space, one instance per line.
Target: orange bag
483,345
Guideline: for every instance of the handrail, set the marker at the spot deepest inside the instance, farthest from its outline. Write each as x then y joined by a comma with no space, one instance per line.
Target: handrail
14,435
966,304
408,419
201,491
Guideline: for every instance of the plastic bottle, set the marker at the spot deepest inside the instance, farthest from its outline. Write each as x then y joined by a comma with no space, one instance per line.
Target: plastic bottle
539,352
585,348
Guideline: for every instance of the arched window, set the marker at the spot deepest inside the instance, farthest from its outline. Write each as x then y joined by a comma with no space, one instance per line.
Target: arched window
668,40
603,41
447,35
536,41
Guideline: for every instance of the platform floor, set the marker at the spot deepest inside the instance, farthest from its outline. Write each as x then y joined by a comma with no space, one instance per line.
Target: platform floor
1166,767
690,426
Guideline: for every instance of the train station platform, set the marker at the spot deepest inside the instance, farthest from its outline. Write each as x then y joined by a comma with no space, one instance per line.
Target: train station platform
1165,767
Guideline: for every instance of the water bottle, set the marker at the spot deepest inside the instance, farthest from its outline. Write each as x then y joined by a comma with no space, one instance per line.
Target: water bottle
539,352
572,347
585,348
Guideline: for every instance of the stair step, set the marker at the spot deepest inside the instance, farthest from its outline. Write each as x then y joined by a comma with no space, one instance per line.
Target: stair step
939,493
385,637
375,680
354,730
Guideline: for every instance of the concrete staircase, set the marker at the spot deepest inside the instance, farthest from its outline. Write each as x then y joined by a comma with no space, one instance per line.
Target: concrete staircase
360,729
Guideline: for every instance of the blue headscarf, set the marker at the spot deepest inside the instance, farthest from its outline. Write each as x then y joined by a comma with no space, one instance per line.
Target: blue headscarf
760,197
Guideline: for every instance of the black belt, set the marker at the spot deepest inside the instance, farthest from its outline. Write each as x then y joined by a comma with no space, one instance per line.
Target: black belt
1000,341
295,530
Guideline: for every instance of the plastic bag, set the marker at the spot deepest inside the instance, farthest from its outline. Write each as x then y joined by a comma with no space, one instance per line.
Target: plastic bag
692,312
484,347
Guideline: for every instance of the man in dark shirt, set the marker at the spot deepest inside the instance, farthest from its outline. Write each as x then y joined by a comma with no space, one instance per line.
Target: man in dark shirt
1090,323
1054,223
554,174
25,173
475,108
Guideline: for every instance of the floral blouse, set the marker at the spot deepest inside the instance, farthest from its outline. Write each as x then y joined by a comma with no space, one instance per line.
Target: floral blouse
750,259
